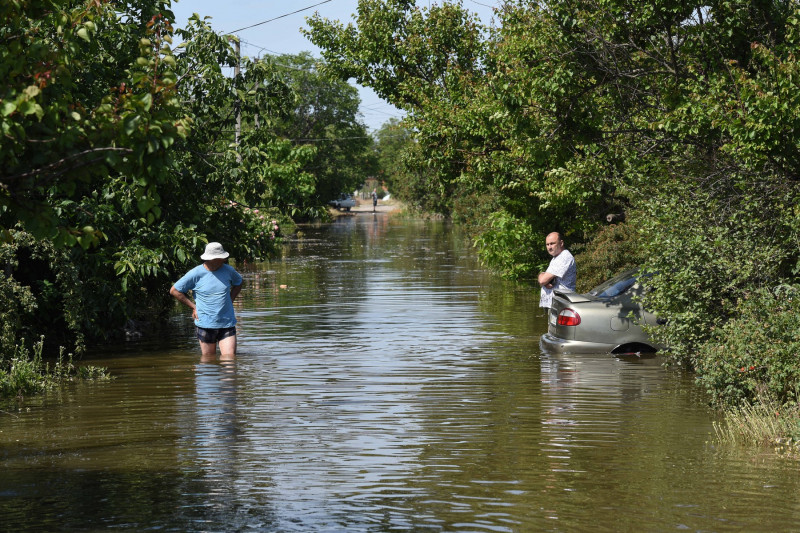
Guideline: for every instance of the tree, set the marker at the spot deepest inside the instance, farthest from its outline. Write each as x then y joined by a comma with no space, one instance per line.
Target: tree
416,60
393,147
89,92
498,121
325,115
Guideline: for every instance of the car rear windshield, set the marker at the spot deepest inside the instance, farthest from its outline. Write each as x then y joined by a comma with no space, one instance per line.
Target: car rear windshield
615,286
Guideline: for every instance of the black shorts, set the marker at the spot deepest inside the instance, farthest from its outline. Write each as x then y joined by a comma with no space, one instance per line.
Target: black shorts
214,335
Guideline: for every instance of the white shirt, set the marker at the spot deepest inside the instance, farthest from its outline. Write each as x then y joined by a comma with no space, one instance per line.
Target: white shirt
563,268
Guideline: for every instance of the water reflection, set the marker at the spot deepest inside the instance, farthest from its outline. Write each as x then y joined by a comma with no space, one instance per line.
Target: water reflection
215,431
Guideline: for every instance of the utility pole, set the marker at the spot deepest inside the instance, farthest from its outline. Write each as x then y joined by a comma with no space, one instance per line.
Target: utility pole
238,103
258,86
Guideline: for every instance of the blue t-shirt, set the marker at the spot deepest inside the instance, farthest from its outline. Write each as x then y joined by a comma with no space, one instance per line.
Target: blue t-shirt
212,294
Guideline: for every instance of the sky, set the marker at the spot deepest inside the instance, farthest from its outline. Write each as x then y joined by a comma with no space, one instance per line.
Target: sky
281,35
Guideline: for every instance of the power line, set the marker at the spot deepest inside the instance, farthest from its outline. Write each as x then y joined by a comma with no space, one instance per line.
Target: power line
484,5
388,113
260,48
280,17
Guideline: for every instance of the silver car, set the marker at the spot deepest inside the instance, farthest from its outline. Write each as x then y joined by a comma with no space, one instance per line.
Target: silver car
606,319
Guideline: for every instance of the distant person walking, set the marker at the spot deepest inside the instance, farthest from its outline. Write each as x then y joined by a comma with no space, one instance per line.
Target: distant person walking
561,274
374,200
214,285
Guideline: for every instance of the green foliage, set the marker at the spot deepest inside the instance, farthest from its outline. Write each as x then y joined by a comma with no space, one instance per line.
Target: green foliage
325,115
708,245
754,355
613,249
393,148
40,294
401,51
510,243
399,159
84,96
262,229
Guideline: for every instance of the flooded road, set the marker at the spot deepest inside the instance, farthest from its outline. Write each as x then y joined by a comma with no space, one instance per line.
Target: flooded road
384,382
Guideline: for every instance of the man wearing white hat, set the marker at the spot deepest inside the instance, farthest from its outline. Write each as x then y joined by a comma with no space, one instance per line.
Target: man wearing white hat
215,285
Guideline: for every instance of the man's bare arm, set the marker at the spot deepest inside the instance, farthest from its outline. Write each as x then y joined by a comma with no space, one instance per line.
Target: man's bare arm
235,290
182,298
546,279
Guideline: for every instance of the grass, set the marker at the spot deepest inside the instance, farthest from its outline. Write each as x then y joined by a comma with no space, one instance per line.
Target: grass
765,423
23,373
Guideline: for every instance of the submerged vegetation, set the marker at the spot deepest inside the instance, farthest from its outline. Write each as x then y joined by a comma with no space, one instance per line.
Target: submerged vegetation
763,423
27,373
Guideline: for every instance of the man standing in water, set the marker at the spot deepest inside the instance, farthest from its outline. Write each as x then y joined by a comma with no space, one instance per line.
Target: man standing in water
561,274
215,285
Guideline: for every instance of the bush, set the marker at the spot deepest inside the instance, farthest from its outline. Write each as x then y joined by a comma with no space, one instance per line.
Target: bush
754,357
708,248
510,245
613,249
40,295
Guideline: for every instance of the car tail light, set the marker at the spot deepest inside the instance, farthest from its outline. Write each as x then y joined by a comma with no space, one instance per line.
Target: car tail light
568,317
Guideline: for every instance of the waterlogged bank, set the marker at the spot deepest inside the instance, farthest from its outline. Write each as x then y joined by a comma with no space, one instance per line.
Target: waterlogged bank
392,384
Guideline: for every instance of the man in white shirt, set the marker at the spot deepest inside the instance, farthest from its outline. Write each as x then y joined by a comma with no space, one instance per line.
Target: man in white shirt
561,274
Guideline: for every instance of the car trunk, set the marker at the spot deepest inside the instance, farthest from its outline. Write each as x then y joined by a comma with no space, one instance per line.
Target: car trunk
562,300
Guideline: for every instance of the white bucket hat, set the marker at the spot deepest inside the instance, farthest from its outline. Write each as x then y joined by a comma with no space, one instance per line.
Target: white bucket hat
214,250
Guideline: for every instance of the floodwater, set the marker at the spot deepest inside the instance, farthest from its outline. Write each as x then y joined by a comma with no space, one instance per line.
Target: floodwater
385,382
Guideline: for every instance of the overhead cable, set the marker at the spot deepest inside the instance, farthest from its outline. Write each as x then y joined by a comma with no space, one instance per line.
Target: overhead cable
280,17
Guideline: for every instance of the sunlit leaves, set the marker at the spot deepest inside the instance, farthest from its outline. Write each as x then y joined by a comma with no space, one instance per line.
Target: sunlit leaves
325,115
90,103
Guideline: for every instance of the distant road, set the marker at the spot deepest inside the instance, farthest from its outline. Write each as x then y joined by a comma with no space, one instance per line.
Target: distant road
365,206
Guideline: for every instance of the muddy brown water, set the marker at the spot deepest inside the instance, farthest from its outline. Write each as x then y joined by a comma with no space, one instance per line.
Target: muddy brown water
392,385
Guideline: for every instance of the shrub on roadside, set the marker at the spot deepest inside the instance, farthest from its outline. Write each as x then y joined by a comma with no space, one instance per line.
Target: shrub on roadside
754,357
613,249
258,231
708,249
39,296
510,245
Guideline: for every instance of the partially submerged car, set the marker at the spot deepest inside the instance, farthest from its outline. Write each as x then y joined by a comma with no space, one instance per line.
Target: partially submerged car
344,203
608,318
